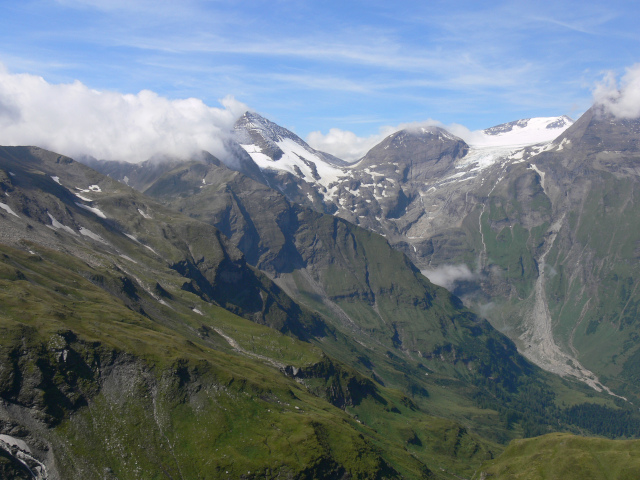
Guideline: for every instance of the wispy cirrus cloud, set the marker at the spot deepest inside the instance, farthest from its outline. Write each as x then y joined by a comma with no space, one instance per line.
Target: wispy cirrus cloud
298,61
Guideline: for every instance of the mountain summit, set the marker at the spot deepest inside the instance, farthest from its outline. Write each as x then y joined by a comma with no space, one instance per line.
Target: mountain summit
423,149
277,144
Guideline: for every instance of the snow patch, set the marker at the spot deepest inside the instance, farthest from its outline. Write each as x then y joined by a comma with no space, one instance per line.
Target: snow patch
83,198
139,242
144,214
564,143
55,224
8,209
93,210
517,155
484,157
88,233
56,179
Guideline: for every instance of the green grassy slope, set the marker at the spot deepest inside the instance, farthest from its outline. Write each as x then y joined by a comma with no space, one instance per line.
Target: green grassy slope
114,367
95,375
565,457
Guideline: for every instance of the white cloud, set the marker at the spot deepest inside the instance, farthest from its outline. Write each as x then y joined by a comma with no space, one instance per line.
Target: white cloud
621,100
348,146
447,275
345,144
75,120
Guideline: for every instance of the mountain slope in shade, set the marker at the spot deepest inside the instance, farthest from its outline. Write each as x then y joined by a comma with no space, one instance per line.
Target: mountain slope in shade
454,212
306,252
369,293
112,322
79,208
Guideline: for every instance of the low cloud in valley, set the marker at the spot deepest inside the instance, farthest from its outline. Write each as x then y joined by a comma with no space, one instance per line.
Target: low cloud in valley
447,275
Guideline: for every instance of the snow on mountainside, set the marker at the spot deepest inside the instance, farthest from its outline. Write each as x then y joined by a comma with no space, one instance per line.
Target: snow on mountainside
483,211
324,182
509,139
275,148
529,131
297,160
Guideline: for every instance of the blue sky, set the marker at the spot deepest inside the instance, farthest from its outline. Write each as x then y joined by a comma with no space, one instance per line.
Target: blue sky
352,65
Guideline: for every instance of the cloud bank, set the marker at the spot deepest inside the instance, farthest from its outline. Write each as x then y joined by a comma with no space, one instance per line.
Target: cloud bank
621,100
74,120
345,144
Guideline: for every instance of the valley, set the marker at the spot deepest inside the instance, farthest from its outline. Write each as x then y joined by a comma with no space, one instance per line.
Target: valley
422,190
229,307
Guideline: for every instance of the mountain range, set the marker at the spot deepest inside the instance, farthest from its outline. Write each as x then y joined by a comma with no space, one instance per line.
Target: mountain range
270,314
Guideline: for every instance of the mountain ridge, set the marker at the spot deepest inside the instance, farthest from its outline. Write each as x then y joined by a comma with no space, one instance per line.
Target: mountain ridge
197,286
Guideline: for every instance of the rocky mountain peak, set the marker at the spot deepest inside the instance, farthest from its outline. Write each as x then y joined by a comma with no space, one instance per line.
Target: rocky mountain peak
598,130
254,125
507,127
428,146
420,135
562,121
597,141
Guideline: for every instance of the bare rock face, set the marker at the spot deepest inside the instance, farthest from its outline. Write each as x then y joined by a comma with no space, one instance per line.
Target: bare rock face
421,154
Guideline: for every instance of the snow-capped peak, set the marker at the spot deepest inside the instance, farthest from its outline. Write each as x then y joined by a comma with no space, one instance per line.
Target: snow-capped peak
251,122
508,141
521,133
273,147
